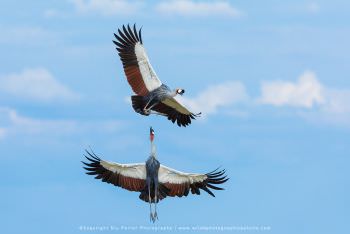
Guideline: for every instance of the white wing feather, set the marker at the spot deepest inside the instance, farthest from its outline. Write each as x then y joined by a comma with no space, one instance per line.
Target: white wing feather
135,170
149,76
169,175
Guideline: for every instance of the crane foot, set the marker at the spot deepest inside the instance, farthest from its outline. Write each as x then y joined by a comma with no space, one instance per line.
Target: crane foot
155,215
146,111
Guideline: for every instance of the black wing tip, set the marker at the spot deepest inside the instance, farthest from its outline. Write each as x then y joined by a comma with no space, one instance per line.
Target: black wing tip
129,34
183,120
92,158
213,178
213,171
92,154
194,116
187,121
216,177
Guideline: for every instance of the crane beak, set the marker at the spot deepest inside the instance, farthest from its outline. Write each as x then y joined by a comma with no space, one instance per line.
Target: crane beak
151,134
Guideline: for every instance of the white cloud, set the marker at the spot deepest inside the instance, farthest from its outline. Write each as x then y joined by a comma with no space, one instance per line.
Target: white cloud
24,35
49,13
215,97
2,133
107,7
36,84
323,104
306,92
313,7
337,101
335,109
198,8
14,124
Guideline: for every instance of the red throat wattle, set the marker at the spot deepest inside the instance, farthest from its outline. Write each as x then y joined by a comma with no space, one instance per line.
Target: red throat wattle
151,136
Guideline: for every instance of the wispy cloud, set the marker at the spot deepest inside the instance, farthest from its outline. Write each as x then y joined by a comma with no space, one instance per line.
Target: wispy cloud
2,133
337,100
313,7
210,100
35,84
14,124
49,13
107,7
198,8
27,35
334,110
306,92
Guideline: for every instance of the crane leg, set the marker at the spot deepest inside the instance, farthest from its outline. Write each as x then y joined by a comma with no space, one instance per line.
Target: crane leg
151,217
145,108
148,110
155,215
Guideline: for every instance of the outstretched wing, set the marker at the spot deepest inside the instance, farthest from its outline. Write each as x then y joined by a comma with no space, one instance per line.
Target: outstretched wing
128,176
175,111
180,183
137,67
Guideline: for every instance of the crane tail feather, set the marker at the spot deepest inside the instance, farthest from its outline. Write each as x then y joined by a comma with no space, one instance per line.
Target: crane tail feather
163,192
138,103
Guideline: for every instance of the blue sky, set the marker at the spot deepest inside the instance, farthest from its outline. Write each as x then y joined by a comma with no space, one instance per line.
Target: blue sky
272,81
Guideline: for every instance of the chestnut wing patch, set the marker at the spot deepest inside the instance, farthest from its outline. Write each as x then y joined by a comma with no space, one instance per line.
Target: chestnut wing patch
127,176
180,183
138,70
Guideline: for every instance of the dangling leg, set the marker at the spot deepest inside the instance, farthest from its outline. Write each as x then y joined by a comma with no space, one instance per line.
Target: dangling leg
150,205
155,215
145,108
148,110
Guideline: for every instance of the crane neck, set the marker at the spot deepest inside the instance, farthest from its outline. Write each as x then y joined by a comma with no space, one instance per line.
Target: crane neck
153,150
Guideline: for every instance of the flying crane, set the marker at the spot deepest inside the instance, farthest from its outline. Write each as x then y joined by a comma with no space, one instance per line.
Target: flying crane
152,96
153,180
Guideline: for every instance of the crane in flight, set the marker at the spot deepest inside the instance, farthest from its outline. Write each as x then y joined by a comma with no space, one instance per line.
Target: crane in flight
153,180
152,96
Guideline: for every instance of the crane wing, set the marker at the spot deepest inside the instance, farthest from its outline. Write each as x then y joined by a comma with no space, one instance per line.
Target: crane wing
128,176
175,111
137,68
180,183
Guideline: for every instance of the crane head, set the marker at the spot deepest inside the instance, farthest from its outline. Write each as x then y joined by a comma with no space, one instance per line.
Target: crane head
151,134
180,91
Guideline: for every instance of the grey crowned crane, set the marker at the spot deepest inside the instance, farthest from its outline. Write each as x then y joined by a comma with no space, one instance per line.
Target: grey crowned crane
153,180
152,96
